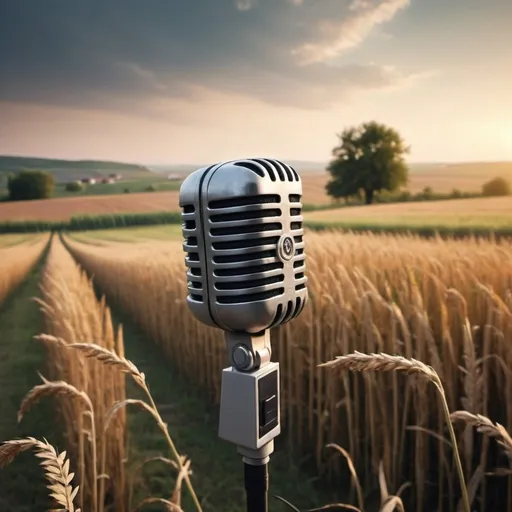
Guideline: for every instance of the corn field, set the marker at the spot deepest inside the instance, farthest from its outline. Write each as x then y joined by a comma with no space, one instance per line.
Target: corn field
445,303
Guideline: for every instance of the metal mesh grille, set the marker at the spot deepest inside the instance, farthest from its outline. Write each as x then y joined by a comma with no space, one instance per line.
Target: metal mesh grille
195,282
288,311
246,267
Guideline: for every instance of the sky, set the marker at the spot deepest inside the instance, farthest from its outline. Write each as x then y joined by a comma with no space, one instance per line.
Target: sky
198,81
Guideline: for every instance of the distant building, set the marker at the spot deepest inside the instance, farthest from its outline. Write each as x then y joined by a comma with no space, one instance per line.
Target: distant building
108,180
88,181
115,177
173,177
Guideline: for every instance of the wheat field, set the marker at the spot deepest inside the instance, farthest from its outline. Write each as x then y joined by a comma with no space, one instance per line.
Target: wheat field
445,303
17,260
72,314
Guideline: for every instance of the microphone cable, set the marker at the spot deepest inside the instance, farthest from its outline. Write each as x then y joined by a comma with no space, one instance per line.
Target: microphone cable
256,487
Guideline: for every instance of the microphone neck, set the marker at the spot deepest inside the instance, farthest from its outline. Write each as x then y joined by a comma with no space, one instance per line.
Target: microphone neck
248,352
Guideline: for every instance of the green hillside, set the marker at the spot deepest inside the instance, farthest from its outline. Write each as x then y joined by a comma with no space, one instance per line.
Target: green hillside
69,170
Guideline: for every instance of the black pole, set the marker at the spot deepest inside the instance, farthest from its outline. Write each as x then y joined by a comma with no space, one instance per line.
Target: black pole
256,487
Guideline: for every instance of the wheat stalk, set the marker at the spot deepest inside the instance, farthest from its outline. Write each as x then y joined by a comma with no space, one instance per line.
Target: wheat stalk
358,361
56,468
110,358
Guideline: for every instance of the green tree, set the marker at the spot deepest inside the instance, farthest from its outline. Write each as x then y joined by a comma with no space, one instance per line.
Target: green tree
496,187
368,159
74,186
30,185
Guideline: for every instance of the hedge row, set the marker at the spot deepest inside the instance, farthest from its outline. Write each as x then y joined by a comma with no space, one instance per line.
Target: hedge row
92,222
89,222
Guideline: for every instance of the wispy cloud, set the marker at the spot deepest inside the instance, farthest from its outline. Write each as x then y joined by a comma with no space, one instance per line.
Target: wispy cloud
333,37
245,5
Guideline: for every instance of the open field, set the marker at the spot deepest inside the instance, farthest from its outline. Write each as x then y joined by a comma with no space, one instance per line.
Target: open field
73,314
15,239
64,208
494,212
163,232
446,303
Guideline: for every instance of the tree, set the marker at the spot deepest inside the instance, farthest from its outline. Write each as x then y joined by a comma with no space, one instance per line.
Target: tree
496,187
30,185
74,186
369,158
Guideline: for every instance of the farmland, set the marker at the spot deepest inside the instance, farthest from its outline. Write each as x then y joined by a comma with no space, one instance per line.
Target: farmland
63,208
119,294
494,212
445,303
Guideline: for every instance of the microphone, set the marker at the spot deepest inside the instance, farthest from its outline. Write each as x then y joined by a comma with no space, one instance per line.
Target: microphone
243,233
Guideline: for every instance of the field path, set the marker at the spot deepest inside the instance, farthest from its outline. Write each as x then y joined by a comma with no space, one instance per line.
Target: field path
22,484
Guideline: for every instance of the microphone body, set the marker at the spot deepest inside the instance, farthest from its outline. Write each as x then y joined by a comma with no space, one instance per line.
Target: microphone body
243,230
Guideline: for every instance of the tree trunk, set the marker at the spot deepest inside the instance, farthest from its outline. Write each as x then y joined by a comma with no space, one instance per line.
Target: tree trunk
368,196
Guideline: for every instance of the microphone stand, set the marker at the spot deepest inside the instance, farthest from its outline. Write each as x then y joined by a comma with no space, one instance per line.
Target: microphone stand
256,487
249,410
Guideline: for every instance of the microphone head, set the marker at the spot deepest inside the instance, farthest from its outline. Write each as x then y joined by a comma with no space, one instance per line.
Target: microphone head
243,237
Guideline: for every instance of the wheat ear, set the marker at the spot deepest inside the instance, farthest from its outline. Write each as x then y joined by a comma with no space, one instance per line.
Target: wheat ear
485,426
382,362
56,468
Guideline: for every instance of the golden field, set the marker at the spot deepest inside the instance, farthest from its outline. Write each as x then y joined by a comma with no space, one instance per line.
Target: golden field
18,255
445,303
85,372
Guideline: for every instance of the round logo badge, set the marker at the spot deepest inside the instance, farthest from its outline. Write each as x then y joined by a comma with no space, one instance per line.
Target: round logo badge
286,248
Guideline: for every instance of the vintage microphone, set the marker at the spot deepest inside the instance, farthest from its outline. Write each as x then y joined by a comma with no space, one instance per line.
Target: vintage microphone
243,239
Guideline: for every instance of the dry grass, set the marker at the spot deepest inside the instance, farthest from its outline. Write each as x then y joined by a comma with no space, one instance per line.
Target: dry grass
17,261
489,212
445,303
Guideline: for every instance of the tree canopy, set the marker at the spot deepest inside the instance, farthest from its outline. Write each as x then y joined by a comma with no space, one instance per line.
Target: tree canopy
368,159
30,185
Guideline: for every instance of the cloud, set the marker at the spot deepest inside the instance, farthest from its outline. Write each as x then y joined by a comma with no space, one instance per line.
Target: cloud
333,37
245,5
128,55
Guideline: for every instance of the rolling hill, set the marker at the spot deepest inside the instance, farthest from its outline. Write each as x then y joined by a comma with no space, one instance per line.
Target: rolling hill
68,170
